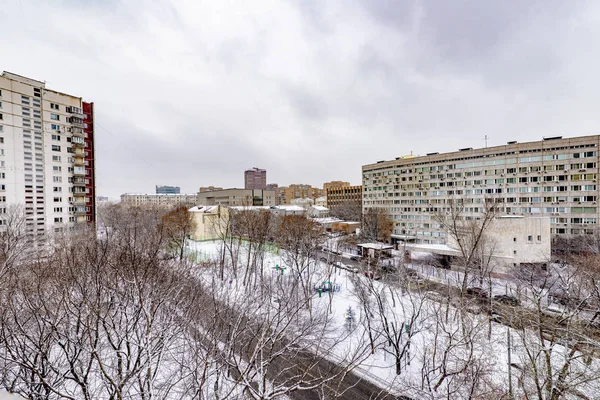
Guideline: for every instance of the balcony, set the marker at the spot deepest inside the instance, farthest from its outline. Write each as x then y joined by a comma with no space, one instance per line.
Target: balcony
77,131
78,142
79,171
76,122
76,111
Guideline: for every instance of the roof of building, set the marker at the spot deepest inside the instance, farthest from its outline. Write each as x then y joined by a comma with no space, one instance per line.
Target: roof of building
283,207
159,194
328,220
320,208
376,246
204,209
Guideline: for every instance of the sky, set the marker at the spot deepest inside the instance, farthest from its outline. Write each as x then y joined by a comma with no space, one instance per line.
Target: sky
192,92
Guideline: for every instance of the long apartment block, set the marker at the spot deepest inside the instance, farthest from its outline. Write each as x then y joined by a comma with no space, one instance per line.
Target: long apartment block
554,177
46,155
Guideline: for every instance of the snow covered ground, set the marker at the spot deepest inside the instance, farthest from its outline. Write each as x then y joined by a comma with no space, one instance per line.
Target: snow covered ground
438,328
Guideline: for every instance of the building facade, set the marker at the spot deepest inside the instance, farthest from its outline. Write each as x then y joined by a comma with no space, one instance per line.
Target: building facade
554,177
162,189
158,200
331,184
300,191
341,195
237,197
46,155
209,188
255,178
210,222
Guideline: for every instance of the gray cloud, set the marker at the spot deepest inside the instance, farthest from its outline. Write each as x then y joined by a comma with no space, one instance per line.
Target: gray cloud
192,94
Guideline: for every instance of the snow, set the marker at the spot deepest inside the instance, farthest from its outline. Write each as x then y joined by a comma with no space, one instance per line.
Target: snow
489,348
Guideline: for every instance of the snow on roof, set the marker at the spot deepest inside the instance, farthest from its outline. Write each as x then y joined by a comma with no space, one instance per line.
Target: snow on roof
328,220
290,207
283,207
203,209
376,246
320,208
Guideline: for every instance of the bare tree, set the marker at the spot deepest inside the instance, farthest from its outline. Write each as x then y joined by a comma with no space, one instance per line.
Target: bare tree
178,224
469,234
14,240
376,225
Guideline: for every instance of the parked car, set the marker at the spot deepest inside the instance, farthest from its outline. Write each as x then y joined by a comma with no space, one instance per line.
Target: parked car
324,259
507,299
355,258
352,268
477,291
372,275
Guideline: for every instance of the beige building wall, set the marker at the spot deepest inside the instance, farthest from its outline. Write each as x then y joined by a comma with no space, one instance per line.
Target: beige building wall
515,240
300,191
331,184
209,222
158,200
555,178
237,197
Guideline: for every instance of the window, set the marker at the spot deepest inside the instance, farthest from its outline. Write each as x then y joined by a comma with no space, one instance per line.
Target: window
57,178
55,137
55,127
54,106
514,239
56,168
530,238
2,175
539,238
55,158
58,209
58,219
58,199
55,117
57,189
1,117
55,147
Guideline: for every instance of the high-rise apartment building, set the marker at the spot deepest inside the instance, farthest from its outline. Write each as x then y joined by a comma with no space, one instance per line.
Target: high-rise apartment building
46,155
167,189
554,177
255,178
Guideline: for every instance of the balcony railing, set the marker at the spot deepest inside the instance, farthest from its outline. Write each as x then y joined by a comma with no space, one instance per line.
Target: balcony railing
76,111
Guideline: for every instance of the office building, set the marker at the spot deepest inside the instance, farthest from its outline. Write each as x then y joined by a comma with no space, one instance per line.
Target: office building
344,195
167,189
237,197
255,178
554,177
46,155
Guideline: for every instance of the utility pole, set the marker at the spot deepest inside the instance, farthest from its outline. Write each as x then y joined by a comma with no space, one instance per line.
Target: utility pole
486,138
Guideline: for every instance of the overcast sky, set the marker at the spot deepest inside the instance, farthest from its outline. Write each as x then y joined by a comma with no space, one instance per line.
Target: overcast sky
191,92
